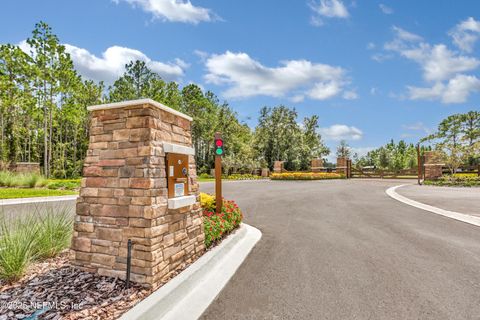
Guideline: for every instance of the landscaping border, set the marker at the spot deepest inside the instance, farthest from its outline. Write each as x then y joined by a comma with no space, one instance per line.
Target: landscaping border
189,294
15,201
446,213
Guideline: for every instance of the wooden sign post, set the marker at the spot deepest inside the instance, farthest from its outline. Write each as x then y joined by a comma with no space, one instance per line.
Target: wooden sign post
218,172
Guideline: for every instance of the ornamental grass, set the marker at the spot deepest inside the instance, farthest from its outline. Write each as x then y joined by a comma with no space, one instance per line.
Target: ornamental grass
29,180
38,236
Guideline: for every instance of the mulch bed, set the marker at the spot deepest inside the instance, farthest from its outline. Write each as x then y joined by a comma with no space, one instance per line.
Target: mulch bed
55,290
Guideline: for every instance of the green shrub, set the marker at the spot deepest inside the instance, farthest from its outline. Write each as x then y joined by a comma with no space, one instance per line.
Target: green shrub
456,180
67,184
205,176
217,226
16,246
244,176
54,233
306,176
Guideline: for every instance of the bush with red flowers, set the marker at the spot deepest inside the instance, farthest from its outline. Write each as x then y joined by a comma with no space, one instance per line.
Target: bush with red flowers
218,225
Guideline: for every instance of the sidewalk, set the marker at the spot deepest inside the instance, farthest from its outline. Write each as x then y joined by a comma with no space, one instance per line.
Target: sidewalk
461,200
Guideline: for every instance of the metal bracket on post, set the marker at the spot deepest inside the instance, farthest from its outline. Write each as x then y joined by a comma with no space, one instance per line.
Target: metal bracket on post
129,263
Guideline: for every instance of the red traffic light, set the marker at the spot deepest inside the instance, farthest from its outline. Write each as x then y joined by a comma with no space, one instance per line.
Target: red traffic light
219,142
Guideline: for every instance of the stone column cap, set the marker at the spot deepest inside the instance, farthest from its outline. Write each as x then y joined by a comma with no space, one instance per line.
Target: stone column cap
128,103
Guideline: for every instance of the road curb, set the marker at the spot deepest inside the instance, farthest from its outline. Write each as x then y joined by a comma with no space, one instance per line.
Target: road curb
391,192
8,202
189,294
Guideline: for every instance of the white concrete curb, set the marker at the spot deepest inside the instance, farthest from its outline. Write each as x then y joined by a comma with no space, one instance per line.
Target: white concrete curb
189,294
7,202
450,214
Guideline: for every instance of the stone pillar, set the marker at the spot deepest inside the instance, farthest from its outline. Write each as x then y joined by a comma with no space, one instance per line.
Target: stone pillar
433,165
342,165
123,194
278,167
265,172
26,167
317,165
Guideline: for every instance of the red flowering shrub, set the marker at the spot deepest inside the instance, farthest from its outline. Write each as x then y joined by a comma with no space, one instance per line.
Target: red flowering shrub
218,225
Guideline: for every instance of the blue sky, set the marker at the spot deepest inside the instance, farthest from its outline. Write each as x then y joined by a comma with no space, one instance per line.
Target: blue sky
372,70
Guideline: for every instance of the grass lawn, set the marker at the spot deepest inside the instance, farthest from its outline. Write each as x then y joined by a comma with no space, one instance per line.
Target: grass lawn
12,193
205,179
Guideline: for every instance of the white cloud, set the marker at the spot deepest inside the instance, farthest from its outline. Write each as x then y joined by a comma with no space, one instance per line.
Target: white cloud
443,69
174,10
417,126
246,77
324,90
327,9
201,54
465,34
438,62
371,46
350,95
405,35
316,21
338,132
380,57
298,98
24,46
330,8
385,9
457,90
112,62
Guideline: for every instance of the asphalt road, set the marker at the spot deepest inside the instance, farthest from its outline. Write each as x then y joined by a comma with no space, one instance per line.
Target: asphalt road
463,200
27,209
345,250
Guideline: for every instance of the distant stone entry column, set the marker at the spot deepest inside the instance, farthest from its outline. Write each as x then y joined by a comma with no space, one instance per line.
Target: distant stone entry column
278,166
342,165
317,165
433,165
124,192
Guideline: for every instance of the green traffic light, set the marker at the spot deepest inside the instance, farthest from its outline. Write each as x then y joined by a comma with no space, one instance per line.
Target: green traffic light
219,151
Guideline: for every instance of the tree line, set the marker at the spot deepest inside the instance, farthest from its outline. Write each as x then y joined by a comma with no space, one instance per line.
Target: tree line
456,140
43,115
391,156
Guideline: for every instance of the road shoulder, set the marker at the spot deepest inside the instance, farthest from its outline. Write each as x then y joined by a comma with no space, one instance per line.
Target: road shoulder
467,218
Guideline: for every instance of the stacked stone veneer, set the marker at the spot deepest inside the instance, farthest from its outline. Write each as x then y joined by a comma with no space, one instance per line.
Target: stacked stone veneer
124,196
317,165
26,167
433,165
278,166
342,165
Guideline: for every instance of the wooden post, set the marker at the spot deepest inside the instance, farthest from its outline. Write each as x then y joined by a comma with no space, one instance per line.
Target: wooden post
349,168
419,165
218,178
